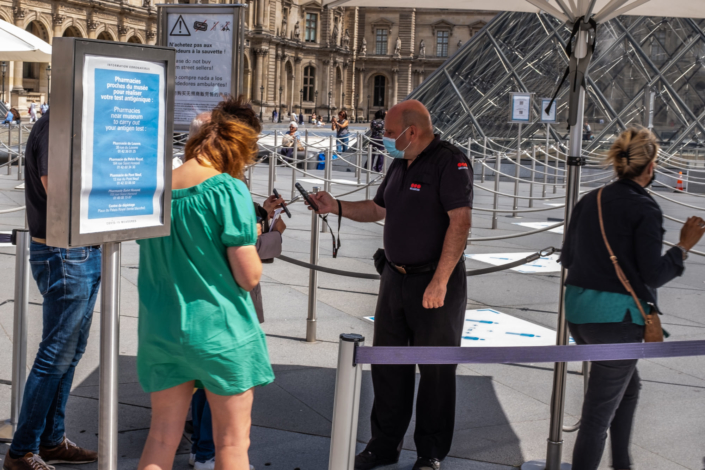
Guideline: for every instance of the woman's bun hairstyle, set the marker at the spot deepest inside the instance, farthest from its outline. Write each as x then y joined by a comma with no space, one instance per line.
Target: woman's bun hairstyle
632,152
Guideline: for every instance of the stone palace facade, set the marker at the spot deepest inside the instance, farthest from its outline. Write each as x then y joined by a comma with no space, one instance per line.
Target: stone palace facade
298,54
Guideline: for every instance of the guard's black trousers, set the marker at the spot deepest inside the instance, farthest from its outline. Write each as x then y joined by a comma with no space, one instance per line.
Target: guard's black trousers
401,320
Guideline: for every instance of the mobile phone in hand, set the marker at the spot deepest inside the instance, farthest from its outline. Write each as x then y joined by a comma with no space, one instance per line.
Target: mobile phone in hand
307,197
286,209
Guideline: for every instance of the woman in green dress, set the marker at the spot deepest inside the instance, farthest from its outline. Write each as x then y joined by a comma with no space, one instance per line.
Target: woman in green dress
197,323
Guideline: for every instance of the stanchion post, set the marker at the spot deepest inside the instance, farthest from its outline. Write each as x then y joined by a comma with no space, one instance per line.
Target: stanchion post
346,404
19,153
250,170
272,173
327,175
19,333
533,175
313,278
545,166
368,171
358,157
517,173
484,161
495,203
293,169
9,146
109,354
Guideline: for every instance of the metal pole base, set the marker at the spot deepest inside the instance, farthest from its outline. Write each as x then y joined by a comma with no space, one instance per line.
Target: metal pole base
6,431
541,465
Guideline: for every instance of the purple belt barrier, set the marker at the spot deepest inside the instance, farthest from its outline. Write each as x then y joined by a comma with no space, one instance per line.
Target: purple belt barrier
526,354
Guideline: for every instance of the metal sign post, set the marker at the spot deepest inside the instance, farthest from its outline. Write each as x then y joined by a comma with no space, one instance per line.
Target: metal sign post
549,115
209,43
520,113
21,239
313,278
110,159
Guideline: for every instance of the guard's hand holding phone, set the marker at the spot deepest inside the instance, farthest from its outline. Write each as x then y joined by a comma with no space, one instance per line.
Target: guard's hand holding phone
325,202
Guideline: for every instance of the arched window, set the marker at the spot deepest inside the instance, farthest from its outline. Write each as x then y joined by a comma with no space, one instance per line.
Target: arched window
309,82
105,36
134,40
380,88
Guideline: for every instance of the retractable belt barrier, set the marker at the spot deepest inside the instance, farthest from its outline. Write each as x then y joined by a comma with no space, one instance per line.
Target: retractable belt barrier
526,354
475,272
352,354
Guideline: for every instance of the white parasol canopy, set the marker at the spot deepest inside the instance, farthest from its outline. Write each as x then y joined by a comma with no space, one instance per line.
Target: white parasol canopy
21,45
566,10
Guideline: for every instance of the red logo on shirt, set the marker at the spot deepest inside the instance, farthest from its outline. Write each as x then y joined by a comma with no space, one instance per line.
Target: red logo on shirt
415,187
462,166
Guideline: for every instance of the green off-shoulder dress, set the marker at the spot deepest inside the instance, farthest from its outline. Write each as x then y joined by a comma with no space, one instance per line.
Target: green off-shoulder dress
195,322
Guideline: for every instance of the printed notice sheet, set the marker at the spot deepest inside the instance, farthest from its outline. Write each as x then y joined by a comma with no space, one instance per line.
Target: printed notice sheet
122,161
204,61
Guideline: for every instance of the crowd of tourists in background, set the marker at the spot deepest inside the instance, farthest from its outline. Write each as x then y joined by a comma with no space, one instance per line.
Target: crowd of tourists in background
34,111
201,345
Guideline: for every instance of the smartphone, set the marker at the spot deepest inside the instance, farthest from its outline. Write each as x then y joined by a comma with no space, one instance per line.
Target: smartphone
286,209
307,197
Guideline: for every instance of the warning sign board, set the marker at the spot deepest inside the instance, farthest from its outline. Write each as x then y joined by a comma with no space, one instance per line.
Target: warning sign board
204,62
180,28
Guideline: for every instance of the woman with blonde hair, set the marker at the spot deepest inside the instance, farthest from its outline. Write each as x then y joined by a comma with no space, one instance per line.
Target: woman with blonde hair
197,323
599,307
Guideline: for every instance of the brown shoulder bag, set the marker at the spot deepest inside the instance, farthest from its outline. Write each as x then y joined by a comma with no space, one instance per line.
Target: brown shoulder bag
653,333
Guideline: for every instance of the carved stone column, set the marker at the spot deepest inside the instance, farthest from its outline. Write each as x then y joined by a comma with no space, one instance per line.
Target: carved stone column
17,85
298,80
259,66
395,83
260,14
92,25
56,21
360,88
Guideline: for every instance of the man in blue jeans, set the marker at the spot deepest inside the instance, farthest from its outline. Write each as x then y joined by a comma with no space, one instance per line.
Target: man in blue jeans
68,279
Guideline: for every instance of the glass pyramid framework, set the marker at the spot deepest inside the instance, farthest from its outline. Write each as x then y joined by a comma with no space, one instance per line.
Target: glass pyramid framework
635,58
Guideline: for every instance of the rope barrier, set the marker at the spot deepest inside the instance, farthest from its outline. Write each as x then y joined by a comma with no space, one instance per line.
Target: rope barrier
16,209
475,272
522,234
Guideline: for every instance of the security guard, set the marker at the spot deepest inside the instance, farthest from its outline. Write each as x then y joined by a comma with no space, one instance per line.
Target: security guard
426,201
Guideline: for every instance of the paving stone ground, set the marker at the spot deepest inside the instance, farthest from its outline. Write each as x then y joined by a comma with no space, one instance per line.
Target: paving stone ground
503,410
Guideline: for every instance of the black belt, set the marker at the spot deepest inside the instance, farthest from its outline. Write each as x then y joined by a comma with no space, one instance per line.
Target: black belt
424,268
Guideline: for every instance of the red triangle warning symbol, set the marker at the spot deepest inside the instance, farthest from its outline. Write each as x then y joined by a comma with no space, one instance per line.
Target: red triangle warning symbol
180,28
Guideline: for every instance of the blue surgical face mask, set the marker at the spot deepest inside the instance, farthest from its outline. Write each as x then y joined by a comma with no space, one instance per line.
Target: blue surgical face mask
391,148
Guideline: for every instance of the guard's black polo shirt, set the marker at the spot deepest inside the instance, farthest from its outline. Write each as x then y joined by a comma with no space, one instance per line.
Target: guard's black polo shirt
36,166
418,197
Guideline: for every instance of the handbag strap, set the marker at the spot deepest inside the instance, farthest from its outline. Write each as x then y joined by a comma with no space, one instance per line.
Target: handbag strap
620,273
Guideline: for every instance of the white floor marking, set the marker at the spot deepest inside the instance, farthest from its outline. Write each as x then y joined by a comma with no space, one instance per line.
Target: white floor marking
489,327
537,225
334,181
548,264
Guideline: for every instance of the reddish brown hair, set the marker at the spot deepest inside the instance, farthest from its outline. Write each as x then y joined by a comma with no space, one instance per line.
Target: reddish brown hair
227,143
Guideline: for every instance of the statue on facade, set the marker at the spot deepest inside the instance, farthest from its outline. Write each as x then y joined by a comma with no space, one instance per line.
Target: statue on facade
422,49
346,40
297,31
285,19
460,44
363,48
397,48
336,32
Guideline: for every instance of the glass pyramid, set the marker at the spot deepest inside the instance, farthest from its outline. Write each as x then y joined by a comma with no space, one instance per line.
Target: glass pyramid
640,63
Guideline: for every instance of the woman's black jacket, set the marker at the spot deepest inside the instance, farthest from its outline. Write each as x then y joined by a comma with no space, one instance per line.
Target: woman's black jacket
634,227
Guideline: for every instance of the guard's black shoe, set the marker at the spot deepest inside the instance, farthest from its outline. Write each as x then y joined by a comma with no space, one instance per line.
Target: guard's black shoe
366,460
422,463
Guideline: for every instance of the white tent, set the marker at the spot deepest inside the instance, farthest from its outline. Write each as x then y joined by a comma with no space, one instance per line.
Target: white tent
583,15
18,44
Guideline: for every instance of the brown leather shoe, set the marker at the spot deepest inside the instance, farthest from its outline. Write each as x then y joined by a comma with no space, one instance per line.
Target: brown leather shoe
67,452
29,462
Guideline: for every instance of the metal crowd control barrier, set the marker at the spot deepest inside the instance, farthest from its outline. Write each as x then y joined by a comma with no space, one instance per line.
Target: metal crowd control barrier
351,356
313,279
21,239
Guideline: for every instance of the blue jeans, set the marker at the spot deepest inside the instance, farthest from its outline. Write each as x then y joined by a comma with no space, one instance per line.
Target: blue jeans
68,279
611,398
342,144
202,438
